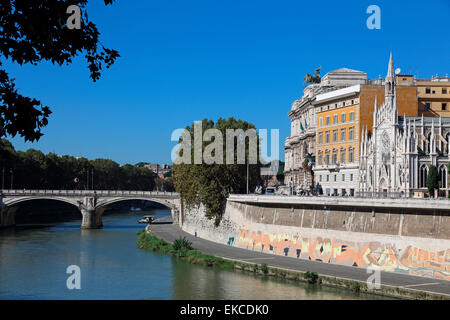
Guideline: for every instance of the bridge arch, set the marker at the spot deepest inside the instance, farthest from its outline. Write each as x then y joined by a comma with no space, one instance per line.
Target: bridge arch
15,201
9,207
103,203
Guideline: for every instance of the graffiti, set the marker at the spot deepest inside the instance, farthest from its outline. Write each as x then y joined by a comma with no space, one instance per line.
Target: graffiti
230,241
376,255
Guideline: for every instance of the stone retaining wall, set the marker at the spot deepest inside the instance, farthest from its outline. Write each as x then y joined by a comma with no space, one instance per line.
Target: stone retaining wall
398,240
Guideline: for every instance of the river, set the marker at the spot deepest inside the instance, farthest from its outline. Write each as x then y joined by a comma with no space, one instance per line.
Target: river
34,259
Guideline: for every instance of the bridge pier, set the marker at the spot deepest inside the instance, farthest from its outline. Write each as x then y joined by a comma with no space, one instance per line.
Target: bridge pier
7,217
92,218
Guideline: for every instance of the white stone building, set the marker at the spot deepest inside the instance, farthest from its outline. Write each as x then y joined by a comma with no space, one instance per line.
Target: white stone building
397,156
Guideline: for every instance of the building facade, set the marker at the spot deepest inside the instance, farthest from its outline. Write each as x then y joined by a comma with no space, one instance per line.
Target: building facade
300,145
397,154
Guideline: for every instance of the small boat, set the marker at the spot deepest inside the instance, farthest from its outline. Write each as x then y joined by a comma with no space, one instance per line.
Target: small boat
146,219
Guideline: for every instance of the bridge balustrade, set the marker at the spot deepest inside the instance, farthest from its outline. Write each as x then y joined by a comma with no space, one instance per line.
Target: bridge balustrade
43,192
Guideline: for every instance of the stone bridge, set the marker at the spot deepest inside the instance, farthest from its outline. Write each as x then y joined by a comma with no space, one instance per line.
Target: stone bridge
91,203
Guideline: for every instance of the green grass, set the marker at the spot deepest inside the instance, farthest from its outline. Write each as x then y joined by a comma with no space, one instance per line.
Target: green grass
181,249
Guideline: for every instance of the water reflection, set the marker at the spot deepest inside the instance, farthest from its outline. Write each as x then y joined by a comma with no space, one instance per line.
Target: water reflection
33,262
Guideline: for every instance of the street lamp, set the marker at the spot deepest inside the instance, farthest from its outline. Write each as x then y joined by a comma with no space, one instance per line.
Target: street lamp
12,177
247,176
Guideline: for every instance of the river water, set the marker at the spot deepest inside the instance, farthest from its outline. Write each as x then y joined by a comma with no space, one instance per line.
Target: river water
34,259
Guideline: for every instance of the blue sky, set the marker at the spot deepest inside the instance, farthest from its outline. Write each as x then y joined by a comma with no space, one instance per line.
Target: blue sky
183,61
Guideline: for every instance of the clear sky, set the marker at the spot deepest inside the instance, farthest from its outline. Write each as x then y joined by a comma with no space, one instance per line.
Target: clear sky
185,60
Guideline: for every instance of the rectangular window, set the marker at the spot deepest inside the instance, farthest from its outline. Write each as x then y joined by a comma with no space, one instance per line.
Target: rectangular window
427,90
320,138
327,137
342,156
351,133
328,177
343,177
327,121
343,134
444,91
444,106
343,104
350,157
335,177
335,136
352,116
327,160
320,178
352,102
321,122
351,177
335,119
342,117
427,106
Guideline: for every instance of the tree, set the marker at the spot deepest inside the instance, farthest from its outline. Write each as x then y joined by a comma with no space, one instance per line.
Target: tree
210,184
33,169
432,180
313,79
33,32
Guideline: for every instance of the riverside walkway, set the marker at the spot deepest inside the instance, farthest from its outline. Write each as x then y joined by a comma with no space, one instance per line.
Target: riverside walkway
164,229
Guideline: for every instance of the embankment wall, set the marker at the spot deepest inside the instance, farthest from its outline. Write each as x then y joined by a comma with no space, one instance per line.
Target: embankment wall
400,238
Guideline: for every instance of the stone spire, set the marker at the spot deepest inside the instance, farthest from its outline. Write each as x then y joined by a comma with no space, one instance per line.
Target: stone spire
389,84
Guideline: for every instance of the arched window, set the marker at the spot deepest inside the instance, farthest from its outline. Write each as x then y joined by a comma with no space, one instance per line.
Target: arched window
443,176
423,172
447,138
428,143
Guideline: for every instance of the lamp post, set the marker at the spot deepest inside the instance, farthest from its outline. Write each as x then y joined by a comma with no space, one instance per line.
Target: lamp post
12,177
247,176
3,178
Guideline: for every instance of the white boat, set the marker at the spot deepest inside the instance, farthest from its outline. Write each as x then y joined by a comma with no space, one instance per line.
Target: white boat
146,219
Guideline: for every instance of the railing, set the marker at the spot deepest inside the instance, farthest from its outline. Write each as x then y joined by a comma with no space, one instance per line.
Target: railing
24,192
383,195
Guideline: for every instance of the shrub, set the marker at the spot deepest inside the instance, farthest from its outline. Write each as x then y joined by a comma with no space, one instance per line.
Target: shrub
311,277
355,286
264,268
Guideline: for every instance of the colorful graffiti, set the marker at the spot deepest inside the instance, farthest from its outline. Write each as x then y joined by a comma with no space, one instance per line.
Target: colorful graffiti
387,257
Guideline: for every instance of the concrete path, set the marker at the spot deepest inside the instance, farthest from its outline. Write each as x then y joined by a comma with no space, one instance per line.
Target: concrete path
164,229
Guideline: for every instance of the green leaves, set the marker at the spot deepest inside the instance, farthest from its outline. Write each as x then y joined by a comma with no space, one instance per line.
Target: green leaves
35,170
210,184
33,32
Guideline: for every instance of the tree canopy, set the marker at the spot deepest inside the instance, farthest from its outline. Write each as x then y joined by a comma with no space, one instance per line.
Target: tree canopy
210,184
33,32
33,169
